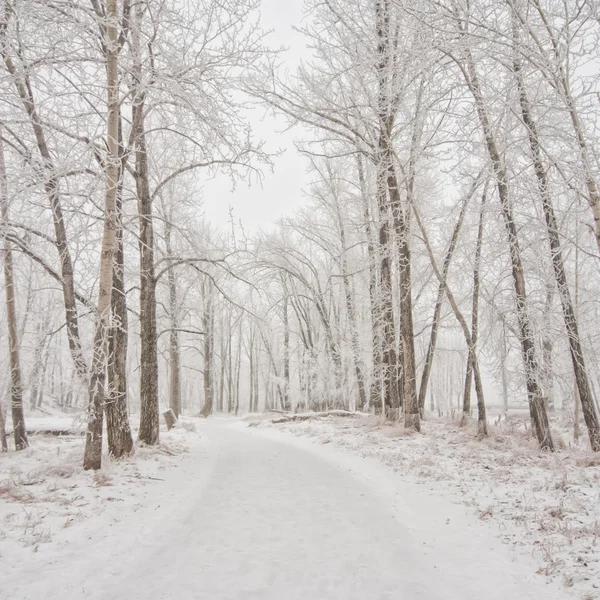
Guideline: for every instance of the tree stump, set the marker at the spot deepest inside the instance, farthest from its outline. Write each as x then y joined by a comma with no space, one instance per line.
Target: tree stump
170,418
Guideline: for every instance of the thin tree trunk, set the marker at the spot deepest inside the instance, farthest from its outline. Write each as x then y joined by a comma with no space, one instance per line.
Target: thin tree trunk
251,374
208,325
472,356
41,386
504,359
51,187
93,448
16,388
3,440
118,430
429,356
390,392
374,396
149,413
37,365
563,87
481,416
230,398
238,369
286,355
174,358
548,348
585,393
350,306
222,353
539,414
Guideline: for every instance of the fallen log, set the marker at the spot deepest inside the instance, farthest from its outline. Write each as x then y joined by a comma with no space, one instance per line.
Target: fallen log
316,415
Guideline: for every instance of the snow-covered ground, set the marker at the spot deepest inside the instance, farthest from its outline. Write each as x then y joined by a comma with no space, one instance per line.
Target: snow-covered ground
57,521
544,508
232,512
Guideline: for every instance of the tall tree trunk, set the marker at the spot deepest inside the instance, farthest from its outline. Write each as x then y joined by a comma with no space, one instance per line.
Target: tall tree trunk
40,391
350,306
93,447
238,369
286,355
174,356
51,187
230,398
429,356
38,359
481,417
537,405
118,430
504,359
374,396
548,348
208,326
407,339
222,356
390,392
472,356
585,393
149,417
16,388
3,440
251,374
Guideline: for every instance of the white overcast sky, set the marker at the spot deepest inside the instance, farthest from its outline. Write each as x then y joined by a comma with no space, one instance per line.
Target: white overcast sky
281,191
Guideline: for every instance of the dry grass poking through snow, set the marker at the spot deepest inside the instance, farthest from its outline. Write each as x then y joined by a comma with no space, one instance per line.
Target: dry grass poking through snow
544,504
44,489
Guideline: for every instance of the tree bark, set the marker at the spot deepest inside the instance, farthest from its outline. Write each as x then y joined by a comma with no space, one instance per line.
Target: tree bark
583,386
118,430
350,305
429,356
16,387
481,417
537,405
390,392
286,355
3,440
374,396
174,359
51,187
472,356
208,326
149,412
93,447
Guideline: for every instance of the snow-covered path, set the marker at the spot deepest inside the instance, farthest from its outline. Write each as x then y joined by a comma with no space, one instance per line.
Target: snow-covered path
258,517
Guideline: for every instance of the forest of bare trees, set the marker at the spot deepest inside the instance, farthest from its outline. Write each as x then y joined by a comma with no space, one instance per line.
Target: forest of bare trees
445,260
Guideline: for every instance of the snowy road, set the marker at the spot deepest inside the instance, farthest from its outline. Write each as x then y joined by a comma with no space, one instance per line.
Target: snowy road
256,517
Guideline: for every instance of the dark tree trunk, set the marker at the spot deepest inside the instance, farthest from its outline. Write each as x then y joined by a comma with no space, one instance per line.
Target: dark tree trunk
174,359
118,430
208,326
583,386
3,440
537,405
374,395
429,356
51,187
16,388
286,355
481,412
149,413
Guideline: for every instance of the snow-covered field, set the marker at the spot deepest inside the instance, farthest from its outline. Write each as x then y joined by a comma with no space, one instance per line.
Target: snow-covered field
329,509
545,507
55,517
